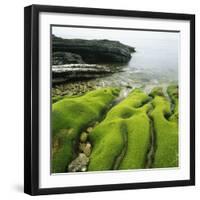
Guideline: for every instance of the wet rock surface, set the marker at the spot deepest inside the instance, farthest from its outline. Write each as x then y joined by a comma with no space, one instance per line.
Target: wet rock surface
67,72
124,79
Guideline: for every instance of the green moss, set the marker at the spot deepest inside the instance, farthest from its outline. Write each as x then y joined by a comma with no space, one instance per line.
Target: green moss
156,91
107,142
56,98
122,139
138,130
70,116
166,154
172,91
126,121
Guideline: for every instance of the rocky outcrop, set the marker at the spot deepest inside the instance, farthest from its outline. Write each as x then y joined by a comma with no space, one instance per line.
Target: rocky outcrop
60,58
94,51
63,73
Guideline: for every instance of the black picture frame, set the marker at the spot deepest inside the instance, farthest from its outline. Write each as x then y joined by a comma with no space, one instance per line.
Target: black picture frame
31,98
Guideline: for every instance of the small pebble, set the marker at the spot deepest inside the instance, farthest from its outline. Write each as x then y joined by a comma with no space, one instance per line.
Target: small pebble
79,163
87,149
89,129
82,146
83,169
70,131
83,137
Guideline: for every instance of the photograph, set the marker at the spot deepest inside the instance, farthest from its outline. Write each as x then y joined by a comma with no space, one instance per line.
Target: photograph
109,99
114,99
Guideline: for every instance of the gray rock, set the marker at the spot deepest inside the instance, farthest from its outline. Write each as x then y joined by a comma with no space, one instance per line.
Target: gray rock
83,169
67,72
61,58
79,164
82,147
83,137
89,129
94,51
87,150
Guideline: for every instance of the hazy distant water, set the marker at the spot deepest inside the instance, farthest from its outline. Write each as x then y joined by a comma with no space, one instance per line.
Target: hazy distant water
155,61
158,55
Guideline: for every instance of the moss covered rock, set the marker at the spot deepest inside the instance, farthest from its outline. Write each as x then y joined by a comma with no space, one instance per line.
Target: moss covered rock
123,139
139,135
56,98
123,136
156,91
166,131
172,91
70,116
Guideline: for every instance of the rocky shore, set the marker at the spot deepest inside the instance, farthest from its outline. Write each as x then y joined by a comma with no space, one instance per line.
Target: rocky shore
68,72
78,59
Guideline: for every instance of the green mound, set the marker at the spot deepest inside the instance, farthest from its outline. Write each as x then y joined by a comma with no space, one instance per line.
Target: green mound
123,137
166,130
70,116
156,91
172,91
56,98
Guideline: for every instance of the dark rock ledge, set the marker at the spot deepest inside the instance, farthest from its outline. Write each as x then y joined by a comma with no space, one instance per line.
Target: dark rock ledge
60,58
89,51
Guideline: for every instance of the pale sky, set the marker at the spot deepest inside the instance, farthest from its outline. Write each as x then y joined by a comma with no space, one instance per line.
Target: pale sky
125,36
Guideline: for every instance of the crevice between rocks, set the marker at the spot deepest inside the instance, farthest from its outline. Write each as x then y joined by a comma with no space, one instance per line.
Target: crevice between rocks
152,146
119,158
172,106
124,149
81,156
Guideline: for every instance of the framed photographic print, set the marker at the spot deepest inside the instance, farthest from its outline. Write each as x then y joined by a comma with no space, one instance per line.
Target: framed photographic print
109,99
